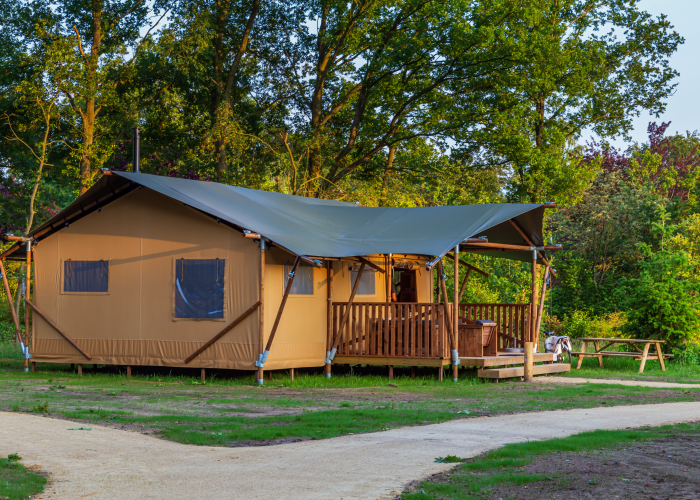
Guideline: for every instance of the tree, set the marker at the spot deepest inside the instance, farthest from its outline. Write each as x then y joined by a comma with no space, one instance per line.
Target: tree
594,65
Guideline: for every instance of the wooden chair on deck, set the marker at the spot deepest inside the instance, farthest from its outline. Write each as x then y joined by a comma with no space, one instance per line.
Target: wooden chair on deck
477,339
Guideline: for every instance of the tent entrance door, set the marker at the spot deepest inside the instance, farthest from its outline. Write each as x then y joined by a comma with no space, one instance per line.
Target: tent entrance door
405,281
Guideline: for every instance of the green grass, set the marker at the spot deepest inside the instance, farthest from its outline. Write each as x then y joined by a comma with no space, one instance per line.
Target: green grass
475,478
17,482
230,408
626,368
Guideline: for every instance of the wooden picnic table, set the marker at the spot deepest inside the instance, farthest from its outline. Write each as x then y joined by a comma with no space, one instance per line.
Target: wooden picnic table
641,354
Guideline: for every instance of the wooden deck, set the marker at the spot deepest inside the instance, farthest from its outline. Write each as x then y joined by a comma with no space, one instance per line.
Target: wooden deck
415,334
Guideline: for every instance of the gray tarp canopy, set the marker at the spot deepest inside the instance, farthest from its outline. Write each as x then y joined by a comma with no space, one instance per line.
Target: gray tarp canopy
328,228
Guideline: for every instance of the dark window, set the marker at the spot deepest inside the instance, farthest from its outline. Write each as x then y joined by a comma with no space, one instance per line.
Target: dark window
199,288
366,286
86,276
303,283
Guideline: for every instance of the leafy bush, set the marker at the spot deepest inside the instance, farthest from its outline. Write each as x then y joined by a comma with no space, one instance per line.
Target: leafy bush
663,302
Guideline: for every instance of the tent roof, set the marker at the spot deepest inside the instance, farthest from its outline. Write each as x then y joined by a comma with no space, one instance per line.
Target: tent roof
322,228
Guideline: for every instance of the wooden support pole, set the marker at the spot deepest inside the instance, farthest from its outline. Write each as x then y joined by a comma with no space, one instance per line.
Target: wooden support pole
341,326
80,369
463,287
533,304
468,266
128,371
413,372
329,316
261,335
27,294
529,242
290,282
203,374
529,358
455,313
56,327
223,332
440,372
389,278
391,372
542,299
371,264
15,319
291,374
443,289
33,367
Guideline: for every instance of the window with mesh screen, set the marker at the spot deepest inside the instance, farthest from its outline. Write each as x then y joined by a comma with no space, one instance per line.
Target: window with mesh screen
199,288
367,281
303,283
86,276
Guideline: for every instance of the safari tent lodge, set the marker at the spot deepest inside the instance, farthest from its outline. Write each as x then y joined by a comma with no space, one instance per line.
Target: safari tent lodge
145,270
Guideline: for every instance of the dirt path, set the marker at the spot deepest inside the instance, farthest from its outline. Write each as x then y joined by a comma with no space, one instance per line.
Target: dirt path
111,464
638,383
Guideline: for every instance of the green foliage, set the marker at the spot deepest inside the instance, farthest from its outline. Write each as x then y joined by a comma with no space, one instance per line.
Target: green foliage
17,482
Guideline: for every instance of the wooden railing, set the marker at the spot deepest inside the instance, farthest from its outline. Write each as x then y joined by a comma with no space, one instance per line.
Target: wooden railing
510,318
406,330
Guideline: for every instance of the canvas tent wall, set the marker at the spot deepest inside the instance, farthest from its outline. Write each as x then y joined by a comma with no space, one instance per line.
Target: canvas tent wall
142,237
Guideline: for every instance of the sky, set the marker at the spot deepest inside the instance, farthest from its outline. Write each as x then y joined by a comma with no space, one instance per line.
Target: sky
683,107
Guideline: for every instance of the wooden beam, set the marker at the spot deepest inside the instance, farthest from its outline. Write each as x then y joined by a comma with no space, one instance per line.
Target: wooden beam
464,285
529,242
288,289
389,277
329,314
251,235
347,310
14,238
56,327
443,289
468,266
223,332
15,319
27,294
261,288
371,264
542,298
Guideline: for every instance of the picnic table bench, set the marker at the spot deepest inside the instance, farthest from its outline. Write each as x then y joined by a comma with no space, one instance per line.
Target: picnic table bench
641,355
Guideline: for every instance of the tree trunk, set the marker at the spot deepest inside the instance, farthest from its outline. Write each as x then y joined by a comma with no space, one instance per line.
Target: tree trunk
88,115
387,175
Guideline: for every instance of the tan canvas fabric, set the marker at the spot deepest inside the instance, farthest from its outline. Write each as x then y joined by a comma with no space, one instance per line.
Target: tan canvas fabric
141,235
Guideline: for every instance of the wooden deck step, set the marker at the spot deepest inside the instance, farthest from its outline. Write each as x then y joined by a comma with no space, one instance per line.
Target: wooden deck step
505,359
519,371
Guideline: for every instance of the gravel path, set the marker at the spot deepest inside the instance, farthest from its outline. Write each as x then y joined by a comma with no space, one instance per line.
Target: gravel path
112,464
638,383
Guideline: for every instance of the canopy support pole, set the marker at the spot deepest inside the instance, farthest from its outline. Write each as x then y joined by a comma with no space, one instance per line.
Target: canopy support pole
455,317
443,289
341,326
533,301
15,319
27,294
261,333
263,357
329,332
529,242
542,299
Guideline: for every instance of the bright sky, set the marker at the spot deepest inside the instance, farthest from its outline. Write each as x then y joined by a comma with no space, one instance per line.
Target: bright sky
683,107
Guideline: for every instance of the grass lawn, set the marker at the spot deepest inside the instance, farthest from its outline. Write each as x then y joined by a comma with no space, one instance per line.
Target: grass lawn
626,368
230,410
603,464
17,482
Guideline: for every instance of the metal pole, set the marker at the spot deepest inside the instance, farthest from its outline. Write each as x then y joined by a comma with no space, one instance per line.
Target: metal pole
136,148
